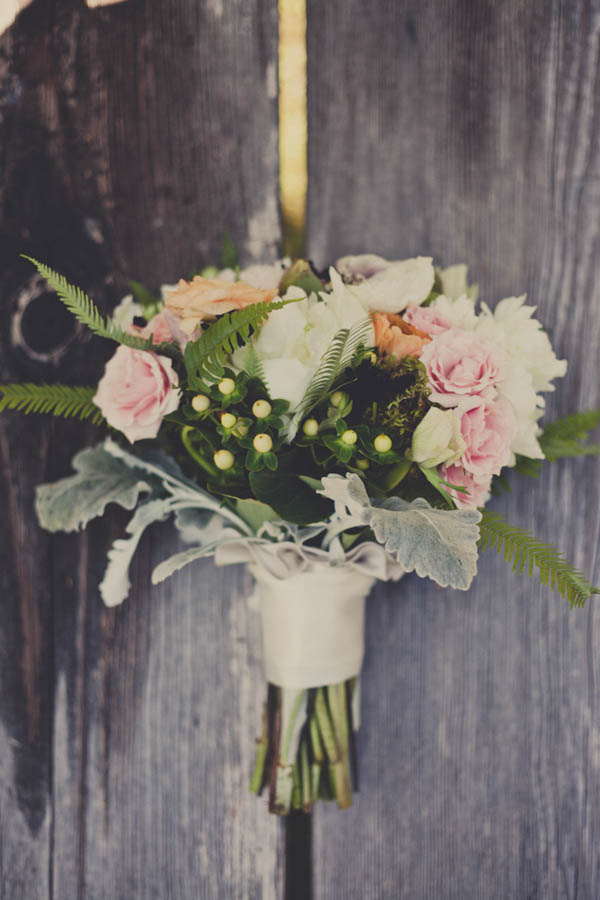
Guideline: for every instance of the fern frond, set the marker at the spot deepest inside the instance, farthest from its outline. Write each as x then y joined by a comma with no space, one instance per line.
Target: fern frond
563,438
57,399
205,358
336,358
253,366
86,312
524,550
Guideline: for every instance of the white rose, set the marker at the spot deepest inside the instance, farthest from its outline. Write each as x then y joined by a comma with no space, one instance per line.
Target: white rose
437,439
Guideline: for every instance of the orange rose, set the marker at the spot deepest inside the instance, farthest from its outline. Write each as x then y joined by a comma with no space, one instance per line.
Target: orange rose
202,299
395,337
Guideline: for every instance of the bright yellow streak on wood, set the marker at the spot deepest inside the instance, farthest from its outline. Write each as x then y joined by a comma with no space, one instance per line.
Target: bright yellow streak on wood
292,122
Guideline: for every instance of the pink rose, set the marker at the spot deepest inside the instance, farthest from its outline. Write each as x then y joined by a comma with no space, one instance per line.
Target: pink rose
164,328
462,364
478,488
488,430
136,391
426,318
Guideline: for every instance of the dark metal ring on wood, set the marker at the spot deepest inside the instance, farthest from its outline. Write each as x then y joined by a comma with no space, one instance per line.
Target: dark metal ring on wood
41,326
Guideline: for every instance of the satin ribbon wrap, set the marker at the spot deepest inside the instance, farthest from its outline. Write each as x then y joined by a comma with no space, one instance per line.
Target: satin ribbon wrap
312,611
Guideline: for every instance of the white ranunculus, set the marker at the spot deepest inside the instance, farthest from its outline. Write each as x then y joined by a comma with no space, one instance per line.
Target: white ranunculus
512,325
437,439
364,265
400,284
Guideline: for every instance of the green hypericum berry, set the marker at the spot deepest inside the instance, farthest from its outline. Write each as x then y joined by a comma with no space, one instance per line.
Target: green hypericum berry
362,464
310,427
228,420
200,402
338,398
382,443
349,437
261,409
262,443
224,459
227,386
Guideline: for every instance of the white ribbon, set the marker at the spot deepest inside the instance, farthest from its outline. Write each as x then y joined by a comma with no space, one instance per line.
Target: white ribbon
312,612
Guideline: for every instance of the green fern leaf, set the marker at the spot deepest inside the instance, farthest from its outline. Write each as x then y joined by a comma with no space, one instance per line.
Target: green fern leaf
86,312
564,438
336,359
205,359
524,550
57,399
253,366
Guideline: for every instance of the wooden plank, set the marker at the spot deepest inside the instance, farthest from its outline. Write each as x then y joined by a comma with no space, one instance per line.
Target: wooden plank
130,137
470,132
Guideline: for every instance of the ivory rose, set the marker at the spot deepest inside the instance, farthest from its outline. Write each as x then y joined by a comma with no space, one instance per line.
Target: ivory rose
202,299
395,337
478,488
137,390
437,438
462,364
488,429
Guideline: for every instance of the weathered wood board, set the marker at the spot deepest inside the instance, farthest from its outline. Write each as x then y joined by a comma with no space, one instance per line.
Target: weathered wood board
470,131
130,136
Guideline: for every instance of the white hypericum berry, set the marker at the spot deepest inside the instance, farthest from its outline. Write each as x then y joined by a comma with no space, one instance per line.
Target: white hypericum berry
382,443
227,385
228,420
310,427
262,443
240,430
200,402
349,437
224,459
338,398
261,409
362,464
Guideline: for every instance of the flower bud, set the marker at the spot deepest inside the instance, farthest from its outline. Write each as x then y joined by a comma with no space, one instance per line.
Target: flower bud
228,420
437,439
310,427
382,443
261,409
200,402
349,437
338,398
224,459
262,443
227,386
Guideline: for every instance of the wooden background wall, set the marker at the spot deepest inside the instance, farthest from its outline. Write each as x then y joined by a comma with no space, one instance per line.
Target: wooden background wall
129,136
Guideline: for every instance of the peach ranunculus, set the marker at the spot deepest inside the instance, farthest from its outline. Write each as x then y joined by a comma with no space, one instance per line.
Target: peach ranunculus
202,299
138,389
395,337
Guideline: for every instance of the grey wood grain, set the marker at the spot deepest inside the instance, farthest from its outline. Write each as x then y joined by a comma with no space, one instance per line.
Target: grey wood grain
130,136
470,131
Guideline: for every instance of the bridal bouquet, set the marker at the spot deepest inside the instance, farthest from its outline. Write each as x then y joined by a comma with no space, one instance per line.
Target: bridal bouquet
328,429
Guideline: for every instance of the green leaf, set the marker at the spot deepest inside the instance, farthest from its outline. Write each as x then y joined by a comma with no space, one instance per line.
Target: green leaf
335,360
57,399
434,479
440,544
564,437
253,366
290,497
255,513
524,550
86,312
229,254
206,357
100,479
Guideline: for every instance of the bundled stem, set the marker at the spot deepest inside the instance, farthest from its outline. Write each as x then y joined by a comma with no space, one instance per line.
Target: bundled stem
306,749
